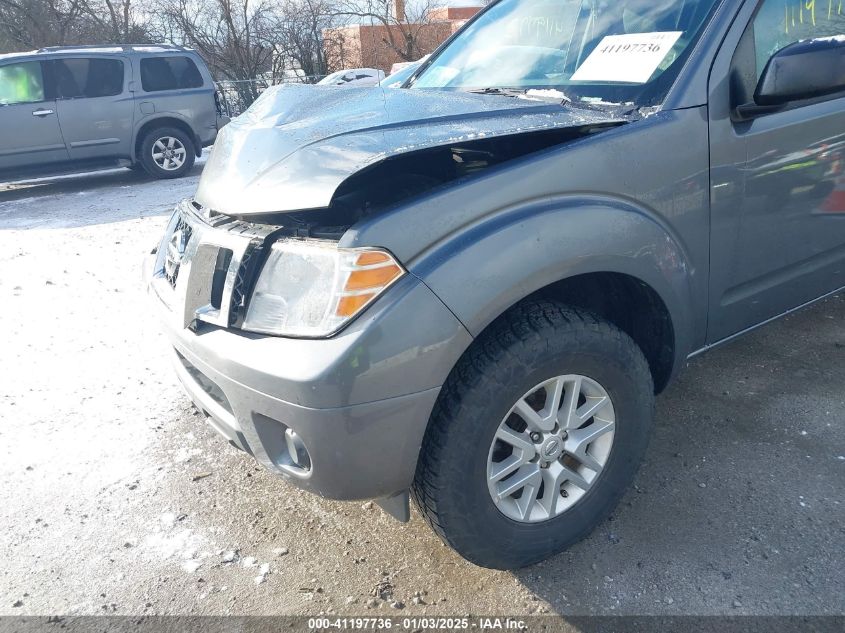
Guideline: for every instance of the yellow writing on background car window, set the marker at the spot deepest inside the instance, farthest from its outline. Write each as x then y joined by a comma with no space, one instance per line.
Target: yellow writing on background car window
804,11
540,25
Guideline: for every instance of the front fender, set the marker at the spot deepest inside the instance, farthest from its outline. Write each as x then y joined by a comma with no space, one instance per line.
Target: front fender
487,267
614,201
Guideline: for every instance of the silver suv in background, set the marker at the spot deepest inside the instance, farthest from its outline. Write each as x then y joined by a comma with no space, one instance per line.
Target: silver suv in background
83,108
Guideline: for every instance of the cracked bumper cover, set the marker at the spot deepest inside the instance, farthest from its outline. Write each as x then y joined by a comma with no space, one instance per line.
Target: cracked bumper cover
358,402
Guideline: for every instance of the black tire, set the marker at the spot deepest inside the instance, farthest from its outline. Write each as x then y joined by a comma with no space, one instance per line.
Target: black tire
146,152
533,342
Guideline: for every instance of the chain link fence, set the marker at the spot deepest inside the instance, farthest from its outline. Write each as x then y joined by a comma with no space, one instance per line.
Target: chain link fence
236,96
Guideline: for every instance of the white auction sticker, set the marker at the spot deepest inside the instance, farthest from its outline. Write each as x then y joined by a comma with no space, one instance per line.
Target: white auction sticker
630,58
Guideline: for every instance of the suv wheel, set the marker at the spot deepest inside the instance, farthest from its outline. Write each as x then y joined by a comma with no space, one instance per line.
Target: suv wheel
167,153
536,435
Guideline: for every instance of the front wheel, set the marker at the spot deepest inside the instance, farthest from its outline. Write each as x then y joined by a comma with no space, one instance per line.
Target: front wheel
167,153
536,435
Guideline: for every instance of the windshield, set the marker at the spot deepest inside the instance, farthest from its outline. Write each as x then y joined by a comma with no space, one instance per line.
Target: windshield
605,50
400,76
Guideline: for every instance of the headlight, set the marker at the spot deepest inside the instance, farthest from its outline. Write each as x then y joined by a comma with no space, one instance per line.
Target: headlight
313,288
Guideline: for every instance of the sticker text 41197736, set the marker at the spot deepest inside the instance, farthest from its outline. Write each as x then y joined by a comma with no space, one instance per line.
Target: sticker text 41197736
628,58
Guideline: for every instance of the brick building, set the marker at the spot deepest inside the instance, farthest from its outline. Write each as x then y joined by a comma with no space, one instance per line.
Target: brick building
374,45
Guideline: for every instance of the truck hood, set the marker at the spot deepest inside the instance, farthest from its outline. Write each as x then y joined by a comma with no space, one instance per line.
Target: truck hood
294,147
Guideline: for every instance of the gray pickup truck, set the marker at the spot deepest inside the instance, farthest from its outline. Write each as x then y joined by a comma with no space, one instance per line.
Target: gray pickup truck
469,290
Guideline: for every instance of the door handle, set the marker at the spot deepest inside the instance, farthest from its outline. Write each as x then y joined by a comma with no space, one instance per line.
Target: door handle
42,113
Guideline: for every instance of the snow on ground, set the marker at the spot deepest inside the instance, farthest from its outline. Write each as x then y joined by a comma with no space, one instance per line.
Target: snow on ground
78,200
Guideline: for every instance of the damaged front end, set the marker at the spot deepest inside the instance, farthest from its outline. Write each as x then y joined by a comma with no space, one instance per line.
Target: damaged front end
288,178
263,300
257,248
318,160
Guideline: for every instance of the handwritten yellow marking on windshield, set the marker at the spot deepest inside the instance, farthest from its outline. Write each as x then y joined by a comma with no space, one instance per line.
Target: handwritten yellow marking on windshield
811,7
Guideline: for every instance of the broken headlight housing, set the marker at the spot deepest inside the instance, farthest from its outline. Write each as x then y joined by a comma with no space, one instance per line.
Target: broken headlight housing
312,289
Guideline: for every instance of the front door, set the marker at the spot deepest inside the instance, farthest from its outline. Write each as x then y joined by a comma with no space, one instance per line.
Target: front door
29,128
777,181
95,106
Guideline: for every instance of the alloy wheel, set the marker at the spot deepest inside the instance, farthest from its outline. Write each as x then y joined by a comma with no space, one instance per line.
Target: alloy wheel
169,153
551,448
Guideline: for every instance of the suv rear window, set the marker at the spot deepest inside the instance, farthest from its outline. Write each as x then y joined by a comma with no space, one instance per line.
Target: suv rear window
169,73
87,77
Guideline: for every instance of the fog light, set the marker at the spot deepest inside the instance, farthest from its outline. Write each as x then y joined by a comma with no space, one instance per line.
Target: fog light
297,454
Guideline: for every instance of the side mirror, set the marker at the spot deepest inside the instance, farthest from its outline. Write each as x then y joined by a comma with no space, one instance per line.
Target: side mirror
803,70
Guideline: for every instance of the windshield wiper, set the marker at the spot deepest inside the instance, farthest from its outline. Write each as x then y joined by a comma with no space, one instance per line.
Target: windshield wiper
506,92
539,94
629,111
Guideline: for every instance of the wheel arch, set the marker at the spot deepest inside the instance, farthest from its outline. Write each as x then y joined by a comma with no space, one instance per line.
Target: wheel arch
628,303
608,257
164,121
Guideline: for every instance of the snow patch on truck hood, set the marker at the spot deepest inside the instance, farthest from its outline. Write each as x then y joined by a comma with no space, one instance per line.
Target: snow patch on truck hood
297,143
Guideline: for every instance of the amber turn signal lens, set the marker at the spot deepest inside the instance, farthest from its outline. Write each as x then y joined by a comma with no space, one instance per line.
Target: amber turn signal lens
370,258
372,277
371,272
350,305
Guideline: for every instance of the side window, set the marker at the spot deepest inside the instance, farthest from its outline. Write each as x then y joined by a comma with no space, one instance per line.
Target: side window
779,23
169,73
79,78
21,83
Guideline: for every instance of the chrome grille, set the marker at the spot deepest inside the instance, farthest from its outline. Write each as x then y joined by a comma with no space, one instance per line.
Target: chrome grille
175,251
198,268
240,287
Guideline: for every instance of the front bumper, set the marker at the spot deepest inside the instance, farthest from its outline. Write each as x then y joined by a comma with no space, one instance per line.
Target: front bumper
342,417
360,451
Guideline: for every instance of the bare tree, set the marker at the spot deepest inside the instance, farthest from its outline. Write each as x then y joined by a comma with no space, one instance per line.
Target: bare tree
298,36
233,36
114,22
35,23
26,24
336,49
405,28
